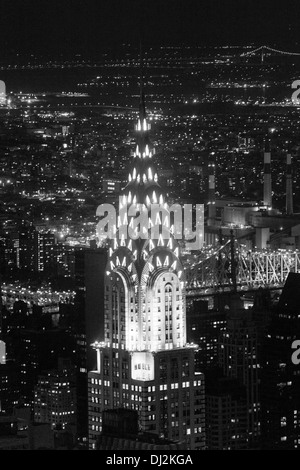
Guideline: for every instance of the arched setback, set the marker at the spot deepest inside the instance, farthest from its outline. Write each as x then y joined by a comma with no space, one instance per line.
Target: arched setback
165,319
140,318
121,312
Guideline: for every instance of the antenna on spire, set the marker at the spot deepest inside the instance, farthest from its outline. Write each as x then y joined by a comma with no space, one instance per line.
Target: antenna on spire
142,107
267,143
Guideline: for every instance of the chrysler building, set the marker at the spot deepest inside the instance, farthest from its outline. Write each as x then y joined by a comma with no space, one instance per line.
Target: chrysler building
144,362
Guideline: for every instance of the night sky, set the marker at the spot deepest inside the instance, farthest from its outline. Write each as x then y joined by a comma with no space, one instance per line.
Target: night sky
78,26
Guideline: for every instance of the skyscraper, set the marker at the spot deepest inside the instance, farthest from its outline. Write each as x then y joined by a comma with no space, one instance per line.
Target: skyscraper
2,93
280,381
226,413
239,360
55,396
144,362
87,319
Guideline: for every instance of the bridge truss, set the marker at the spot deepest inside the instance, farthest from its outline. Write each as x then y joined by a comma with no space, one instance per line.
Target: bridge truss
232,265
268,50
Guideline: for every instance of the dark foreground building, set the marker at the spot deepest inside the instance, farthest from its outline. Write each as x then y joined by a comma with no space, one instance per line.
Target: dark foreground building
121,431
280,385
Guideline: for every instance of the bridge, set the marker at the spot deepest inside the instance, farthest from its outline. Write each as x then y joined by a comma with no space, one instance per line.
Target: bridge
266,50
232,266
215,269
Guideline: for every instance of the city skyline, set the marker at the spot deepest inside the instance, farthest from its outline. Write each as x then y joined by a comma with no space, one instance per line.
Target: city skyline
172,119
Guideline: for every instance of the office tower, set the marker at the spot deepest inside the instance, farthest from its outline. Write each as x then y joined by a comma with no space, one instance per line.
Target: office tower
86,319
8,259
37,251
226,413
4,380
203,328
90,264
267,176
55,396
280,381
65,260
144,362
239,360
8,389
28,259
33,351
211,191
289,185
2,93
2,352
46,246
4,377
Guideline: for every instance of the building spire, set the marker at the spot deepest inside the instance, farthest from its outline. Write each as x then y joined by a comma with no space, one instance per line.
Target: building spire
143,187
144,256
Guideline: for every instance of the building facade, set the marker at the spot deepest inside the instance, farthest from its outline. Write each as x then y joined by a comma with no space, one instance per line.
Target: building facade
144,362
280,382
55,396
